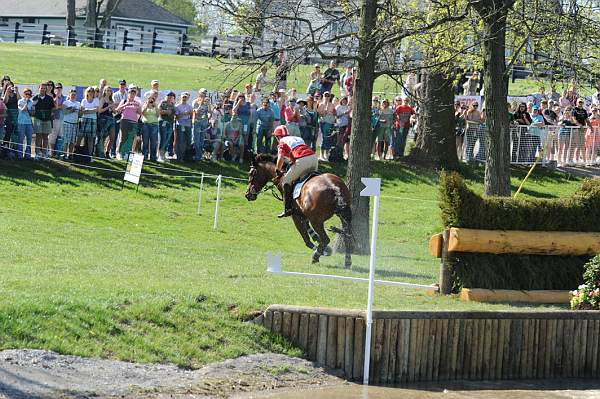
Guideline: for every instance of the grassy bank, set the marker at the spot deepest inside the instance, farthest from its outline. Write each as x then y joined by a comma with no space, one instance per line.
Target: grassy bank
28,63
90,269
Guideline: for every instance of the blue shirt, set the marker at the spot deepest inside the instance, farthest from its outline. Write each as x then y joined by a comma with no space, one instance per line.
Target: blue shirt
275,108
264,118
24,117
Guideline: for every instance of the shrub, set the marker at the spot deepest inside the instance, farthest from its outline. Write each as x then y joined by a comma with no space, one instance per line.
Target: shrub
587,295
461,207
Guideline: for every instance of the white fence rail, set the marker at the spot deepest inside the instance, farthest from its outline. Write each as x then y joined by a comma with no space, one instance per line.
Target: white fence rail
565,145
158,41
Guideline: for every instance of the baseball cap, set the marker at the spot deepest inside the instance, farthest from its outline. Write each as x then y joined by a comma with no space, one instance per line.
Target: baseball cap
122,82
154,82
203,90
170,94
132,86
185,93
317,66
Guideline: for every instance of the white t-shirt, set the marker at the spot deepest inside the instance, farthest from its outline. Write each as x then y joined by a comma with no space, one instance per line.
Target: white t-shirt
90,105
71,116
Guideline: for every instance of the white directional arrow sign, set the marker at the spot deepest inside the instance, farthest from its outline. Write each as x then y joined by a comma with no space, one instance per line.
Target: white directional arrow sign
372,186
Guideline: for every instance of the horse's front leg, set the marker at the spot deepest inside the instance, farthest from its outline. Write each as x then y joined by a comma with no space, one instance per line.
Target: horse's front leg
302,227
323,241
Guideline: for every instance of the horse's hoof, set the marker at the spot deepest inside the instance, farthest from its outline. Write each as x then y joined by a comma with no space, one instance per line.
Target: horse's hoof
327,251
348,265
315,260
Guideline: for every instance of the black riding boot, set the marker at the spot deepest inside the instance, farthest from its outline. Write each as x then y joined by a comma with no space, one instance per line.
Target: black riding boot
287,201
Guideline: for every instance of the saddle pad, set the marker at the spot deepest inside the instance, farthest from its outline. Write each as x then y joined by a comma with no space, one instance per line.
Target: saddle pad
300,184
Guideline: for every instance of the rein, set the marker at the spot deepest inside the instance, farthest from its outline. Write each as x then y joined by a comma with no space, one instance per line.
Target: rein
271,187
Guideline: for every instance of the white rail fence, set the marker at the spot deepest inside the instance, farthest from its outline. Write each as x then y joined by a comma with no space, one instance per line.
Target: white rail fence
155,42
565,145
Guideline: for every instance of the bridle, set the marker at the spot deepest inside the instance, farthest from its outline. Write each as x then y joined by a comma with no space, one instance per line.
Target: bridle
269,186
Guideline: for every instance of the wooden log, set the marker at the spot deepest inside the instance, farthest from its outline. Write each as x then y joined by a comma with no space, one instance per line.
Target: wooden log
359,348
340,343
595,352
322,340
413,349
404,347
499,349
295,329
435,245
303,332
331,341
542,326
527,296
277,322
313,331
441,330
507,352
487,366
558,351
376,351
446,280
269,320
384,368
523,242
462,363
393,349
549,351
349,348
454,359
286,325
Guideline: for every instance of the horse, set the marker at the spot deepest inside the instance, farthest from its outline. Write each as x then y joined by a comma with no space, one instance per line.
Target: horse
321,197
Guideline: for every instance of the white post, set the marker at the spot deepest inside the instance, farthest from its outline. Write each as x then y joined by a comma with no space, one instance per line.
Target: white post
200,192
217,204
371,288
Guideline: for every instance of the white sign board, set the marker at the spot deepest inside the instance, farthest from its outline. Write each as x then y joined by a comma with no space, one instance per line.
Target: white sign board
134,168
372,186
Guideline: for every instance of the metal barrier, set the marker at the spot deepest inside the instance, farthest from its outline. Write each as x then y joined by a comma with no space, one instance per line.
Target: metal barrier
565,145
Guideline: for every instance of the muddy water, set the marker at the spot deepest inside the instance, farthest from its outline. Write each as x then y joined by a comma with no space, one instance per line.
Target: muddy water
480,390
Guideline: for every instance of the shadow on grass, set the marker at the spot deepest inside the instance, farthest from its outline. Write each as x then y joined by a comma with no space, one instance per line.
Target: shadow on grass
381,272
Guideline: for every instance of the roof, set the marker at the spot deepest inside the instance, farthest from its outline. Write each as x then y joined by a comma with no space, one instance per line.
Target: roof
128,9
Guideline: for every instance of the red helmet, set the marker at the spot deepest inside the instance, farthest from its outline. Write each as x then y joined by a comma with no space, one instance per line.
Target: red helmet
281,131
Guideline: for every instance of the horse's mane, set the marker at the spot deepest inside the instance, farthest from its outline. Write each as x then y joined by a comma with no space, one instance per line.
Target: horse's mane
265,158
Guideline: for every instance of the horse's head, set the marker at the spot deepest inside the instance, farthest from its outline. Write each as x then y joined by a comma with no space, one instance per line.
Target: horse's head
261,172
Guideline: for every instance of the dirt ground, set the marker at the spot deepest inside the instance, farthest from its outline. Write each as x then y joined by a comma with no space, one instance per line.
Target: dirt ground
43,374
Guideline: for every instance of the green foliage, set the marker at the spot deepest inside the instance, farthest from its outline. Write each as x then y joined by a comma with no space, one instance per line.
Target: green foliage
587,295
187,10
461,207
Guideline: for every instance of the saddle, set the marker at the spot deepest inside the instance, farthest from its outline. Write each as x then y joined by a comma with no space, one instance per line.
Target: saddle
299,183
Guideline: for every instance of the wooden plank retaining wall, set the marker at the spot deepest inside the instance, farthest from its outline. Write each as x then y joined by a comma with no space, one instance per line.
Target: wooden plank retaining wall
435,346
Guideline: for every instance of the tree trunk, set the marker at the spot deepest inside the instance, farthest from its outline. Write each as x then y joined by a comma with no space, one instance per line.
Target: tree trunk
71,13
361,137
436,139
91,17
497,167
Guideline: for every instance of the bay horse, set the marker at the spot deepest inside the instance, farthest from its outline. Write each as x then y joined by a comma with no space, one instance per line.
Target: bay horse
321,197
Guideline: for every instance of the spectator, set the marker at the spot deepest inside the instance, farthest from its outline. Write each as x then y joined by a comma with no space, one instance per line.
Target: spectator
25,124
403,114
71,108
274,105
459,128
154,86
566,150
262,80
243,110
101,85
106,123
183,129
89,118
11,98
578,137
327,116
264,127
201,115
331,76
218,126
596,97
343,77
474,120
131,111
166,119
312,122
118,96
43,105
292,117
342,111
539,96
534,134
349,84
384,129
553,95
3,140
592,136
550,117
470,86
55,141
281,75
150,113
315,79
234,142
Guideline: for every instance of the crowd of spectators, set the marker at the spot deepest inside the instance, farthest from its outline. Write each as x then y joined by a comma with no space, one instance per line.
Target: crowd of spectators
565,125
112,122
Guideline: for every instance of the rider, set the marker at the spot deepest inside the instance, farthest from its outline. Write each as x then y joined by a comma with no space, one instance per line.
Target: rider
302,161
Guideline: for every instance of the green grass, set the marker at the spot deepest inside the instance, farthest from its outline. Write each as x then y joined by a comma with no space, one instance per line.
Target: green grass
28,63
93,270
